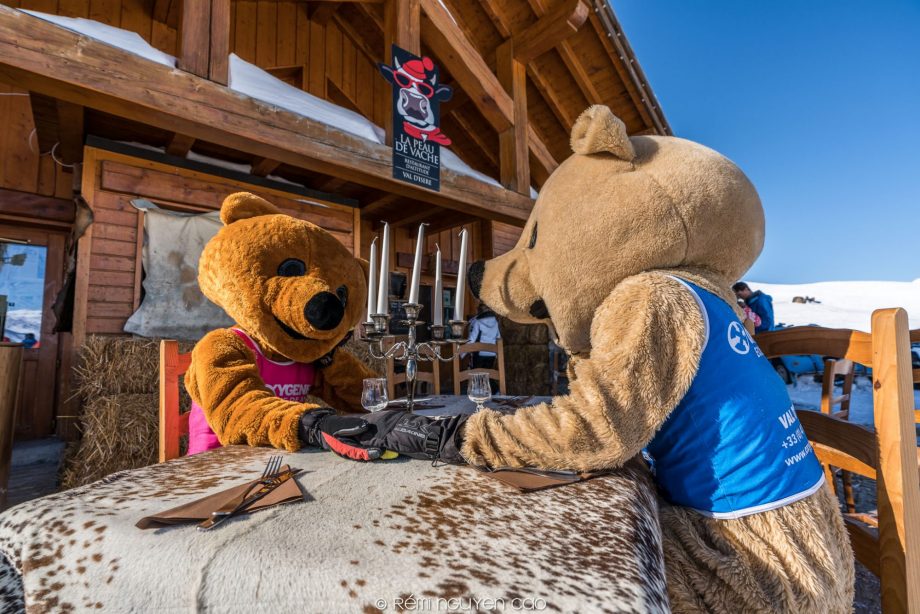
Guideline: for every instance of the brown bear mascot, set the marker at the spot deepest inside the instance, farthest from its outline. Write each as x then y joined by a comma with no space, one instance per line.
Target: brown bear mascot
295,293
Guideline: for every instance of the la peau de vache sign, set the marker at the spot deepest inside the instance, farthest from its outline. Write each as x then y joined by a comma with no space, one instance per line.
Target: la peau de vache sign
417,136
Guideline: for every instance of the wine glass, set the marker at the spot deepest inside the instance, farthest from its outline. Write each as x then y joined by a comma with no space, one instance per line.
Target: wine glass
374,395
479,389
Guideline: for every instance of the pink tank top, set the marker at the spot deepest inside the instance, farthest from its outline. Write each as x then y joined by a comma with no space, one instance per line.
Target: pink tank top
289,380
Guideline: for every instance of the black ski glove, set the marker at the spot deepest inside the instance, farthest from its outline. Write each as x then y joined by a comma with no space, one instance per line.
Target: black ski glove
368,436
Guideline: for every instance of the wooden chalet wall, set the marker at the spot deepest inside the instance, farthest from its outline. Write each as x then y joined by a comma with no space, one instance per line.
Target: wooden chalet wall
108,286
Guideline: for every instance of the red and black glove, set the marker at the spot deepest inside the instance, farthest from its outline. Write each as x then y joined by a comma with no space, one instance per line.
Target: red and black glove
368,436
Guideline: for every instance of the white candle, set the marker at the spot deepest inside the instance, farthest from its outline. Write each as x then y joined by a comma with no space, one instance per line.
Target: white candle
417,265
383,294
437,303
372,282
461,275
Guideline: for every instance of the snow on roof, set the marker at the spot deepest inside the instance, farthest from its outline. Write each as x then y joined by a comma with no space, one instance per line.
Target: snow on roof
843,304
116,37
252,81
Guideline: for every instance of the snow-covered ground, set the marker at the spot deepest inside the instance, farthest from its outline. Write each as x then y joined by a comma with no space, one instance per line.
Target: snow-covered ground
22,321
843,304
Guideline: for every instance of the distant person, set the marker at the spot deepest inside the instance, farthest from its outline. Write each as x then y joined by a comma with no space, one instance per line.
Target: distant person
760,303
29,341
484,329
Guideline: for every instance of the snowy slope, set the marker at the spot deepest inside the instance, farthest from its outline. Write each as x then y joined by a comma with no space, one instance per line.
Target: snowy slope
844,304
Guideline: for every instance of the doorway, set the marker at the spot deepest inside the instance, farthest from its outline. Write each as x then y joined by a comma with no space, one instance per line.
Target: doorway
31,275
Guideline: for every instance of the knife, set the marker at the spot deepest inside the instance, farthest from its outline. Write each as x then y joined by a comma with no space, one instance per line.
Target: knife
222,514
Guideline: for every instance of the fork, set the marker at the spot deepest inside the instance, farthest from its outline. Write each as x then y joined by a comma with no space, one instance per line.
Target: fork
271,468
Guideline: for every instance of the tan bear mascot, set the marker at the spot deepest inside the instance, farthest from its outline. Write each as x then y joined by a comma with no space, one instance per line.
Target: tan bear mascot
628,255
295,293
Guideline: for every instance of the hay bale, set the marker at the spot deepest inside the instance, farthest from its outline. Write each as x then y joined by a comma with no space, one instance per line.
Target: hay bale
119,432
119,365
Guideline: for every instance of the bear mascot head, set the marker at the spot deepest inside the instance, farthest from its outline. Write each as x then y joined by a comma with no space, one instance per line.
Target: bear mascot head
291,285
629,254
295,293
617,207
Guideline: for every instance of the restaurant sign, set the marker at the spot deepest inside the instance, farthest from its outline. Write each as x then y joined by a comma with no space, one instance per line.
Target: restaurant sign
417,137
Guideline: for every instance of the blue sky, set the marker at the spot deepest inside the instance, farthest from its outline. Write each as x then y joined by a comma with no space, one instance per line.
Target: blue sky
819,103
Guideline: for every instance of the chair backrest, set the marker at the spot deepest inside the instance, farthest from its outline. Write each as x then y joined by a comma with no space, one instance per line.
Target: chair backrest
432,378
173,424
497,374
887,454
915,338
832,368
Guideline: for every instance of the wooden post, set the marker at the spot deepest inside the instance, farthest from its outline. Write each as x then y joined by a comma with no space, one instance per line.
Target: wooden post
898,479
402,24
513,145
195,37
219,54
10,366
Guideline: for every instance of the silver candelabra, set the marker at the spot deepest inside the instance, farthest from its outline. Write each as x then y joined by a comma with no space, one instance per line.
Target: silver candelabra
411,351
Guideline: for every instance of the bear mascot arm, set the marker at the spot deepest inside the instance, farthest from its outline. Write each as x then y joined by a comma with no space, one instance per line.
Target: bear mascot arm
295,292
646,339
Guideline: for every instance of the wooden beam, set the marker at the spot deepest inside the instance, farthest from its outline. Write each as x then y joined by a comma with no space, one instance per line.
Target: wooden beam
219,52
161,10
70,132
402,21
454,50
376,205
58,62
180,144
513,148
360,43
262,167
322,12
24,204
45,118
487,149
195,37
316,75
413,218
550,30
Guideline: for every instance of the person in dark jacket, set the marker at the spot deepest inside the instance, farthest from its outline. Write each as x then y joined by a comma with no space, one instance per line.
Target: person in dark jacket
760,303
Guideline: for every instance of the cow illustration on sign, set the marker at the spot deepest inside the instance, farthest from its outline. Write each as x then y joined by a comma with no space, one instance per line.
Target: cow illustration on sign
416,82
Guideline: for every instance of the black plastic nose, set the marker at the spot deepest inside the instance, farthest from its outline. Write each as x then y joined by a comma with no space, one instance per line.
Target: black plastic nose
476,271
538,310
324,311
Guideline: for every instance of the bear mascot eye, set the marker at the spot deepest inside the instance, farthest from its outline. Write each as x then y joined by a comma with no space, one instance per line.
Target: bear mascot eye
292,267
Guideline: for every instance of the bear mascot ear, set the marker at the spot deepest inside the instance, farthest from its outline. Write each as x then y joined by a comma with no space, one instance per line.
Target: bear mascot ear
244,205
599,130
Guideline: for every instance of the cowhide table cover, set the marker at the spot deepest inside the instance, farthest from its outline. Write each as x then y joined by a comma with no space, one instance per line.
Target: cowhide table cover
390,535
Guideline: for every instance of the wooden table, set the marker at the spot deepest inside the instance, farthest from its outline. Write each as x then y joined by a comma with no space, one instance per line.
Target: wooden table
369,536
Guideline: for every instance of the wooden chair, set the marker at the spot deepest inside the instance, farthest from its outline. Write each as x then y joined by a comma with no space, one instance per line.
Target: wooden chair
432,378
832,368
173,425
887,543
498,374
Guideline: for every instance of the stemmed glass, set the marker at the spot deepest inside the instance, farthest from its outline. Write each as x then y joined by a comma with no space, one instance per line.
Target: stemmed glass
479,389
374,395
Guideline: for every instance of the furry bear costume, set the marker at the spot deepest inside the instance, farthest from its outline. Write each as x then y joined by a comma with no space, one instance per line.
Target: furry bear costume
628,255
295,292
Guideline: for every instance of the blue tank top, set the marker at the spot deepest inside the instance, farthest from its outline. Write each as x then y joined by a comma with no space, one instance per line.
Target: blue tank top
733,446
